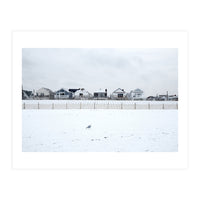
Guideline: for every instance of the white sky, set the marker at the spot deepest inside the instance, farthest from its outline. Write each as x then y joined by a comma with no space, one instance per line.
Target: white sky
155,71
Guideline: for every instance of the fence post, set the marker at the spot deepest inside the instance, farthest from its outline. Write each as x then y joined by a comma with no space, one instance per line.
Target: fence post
135,106
52,105
108,106
80,105
121,106
24,106
149,106
177,106
163,106
38,105
66,105
94,105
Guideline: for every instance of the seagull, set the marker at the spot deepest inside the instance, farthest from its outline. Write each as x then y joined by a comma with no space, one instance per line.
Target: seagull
88,126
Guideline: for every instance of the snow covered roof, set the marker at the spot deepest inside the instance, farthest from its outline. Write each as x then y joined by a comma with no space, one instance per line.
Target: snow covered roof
44,89
27,93
138,91
119,90
173,97
63,89
82,90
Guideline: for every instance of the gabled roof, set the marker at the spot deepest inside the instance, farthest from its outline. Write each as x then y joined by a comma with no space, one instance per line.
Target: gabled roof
27,93
65,90
119,90
45,89
83,91
138,91
73,90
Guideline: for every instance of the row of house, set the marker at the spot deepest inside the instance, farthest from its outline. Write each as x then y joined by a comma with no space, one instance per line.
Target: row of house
81,93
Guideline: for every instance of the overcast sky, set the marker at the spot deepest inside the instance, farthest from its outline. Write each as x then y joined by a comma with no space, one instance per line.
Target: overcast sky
155,71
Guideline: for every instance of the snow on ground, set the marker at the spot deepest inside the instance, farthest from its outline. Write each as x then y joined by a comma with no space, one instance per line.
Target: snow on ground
111,131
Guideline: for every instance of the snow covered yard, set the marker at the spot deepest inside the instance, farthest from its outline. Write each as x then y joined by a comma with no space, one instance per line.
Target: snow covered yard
111,130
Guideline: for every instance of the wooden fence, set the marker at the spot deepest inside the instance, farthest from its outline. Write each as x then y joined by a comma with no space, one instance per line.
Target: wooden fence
133,106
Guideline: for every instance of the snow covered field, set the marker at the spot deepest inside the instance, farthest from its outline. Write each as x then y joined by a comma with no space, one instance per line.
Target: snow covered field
111,130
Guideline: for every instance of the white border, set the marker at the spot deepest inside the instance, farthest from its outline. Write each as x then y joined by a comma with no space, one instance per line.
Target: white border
99,39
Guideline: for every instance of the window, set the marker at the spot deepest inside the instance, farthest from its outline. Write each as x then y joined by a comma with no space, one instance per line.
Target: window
102,94
120,95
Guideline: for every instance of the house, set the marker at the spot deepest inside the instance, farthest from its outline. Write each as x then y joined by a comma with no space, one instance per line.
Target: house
151,98
173,98
100,94
82,94
45,93
27,94
136,94
63,94
119,94
166,97
162,97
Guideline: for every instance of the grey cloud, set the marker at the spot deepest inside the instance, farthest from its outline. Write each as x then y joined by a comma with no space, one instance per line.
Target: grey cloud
153,70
